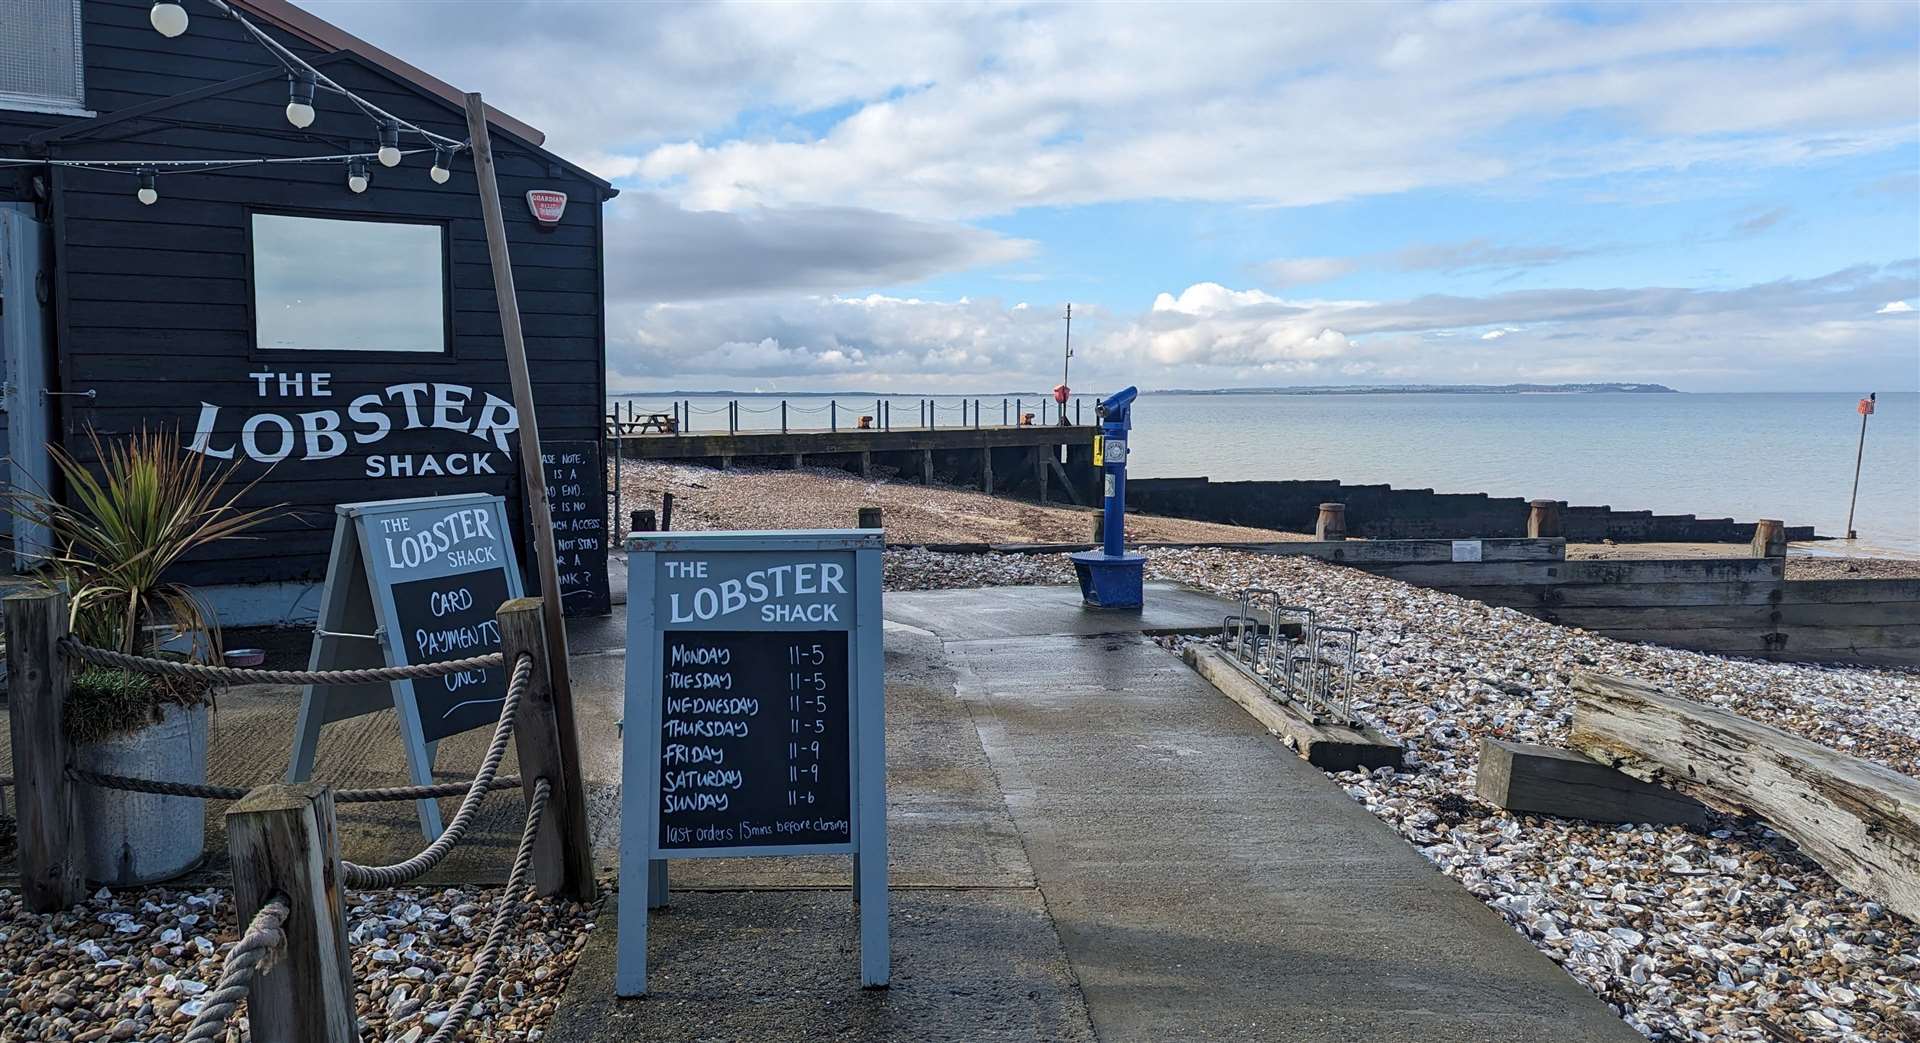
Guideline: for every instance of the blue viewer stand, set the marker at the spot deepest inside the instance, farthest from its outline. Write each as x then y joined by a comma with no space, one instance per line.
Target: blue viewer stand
1110,577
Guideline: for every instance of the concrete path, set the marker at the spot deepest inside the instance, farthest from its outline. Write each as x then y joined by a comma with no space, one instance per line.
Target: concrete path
1089,842
1206,883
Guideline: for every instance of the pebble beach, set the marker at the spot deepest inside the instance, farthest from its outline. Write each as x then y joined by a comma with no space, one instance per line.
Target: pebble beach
1723,933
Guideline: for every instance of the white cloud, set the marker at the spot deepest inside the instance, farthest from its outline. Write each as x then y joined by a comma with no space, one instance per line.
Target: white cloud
657,251
1305,271
1807,332
957,111
1893,308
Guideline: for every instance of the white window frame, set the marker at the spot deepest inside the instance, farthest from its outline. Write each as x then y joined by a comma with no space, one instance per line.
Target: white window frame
59,106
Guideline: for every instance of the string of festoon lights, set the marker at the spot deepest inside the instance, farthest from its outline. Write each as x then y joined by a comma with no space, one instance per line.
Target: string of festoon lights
169,18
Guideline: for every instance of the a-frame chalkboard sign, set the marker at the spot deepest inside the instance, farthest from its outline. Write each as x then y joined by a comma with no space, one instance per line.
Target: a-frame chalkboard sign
755,723
411,581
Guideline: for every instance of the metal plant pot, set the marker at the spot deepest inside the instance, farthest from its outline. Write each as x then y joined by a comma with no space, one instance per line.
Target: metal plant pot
141,838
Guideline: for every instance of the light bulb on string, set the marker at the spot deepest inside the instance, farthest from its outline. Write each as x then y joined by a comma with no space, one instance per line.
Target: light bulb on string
389,144
148,193
357,177
442,165
300,98
169,19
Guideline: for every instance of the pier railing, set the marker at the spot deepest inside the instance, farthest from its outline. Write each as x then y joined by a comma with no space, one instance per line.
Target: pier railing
631,417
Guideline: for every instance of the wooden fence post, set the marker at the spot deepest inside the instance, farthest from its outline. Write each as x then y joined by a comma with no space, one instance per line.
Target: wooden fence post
1543,519
1769,538
50,846
563,851
282,841
1332,522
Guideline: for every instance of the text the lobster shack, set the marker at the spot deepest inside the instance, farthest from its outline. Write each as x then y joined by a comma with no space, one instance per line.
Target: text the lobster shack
324,433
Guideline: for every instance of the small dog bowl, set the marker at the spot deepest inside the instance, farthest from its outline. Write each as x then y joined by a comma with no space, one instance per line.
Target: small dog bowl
246,657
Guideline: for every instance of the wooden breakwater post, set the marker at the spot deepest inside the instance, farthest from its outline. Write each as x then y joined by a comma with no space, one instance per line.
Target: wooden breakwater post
1769,538
1332,522
50,846
562,849
1543,519
283,842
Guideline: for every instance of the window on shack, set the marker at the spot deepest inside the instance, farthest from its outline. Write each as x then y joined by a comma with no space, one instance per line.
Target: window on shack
324,284
40,57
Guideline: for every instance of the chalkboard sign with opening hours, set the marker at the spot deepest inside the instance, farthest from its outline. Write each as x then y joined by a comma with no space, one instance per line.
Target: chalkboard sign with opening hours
754,718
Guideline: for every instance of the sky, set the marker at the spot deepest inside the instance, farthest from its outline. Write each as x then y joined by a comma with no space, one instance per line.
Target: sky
905,197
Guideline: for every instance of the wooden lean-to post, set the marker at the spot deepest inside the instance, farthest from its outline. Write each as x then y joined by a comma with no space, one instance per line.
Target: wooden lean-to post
562,862
49,845
533,474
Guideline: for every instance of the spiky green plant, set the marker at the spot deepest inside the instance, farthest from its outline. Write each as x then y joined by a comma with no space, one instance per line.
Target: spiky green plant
128,519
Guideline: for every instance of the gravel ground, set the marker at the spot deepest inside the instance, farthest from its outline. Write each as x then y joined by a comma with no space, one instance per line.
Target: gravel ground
1724,934
814,498
134,965
1811,567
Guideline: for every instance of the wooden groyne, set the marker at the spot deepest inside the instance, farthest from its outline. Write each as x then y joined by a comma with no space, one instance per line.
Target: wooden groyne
1043,462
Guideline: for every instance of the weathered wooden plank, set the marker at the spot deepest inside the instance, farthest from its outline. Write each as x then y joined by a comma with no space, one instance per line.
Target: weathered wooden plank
1675,570
1789,644
1771,617
49,844
1849,591
282,841
1466,574
1623,595
1326,747
1858,819
1543,780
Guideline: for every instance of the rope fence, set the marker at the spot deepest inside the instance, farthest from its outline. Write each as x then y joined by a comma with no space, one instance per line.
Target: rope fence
140,664
340,796
265,934
511,898
401,872
287,837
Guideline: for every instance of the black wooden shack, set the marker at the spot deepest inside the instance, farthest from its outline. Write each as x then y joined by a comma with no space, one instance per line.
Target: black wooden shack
341,345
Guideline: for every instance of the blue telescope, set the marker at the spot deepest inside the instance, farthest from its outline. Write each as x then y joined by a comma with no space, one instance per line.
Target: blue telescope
1110,577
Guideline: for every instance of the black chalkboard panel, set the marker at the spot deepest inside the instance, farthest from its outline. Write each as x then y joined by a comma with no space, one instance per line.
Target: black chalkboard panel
453,617
577,499
754,739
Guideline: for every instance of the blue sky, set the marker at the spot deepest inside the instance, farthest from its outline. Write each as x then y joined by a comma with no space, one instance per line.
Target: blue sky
1718,197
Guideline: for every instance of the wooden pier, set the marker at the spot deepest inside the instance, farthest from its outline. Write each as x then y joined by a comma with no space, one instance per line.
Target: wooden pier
1042,462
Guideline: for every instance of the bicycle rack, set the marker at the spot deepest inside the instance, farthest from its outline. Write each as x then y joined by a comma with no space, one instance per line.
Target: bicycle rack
1301,672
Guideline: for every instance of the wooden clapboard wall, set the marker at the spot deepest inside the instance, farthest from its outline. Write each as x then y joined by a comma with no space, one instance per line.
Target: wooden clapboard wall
153,304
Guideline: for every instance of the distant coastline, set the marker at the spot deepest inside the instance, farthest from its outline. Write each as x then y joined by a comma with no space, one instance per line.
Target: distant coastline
1343,389
1434,389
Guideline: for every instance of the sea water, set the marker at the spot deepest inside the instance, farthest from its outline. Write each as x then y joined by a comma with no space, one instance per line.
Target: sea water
1769,455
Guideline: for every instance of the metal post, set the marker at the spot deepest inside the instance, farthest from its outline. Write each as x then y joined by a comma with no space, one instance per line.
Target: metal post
1003,412
833,415
783,416
976,414
1859,454
687,408
1076,411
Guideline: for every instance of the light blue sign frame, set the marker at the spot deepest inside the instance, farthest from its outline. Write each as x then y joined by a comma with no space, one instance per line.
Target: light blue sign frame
651,611
358,628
